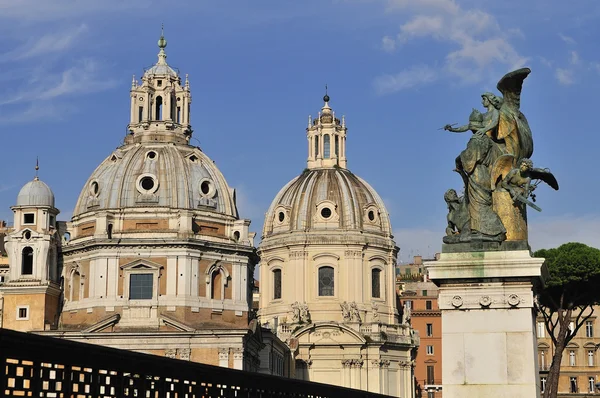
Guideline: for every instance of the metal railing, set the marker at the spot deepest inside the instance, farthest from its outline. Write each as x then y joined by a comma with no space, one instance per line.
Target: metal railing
39,366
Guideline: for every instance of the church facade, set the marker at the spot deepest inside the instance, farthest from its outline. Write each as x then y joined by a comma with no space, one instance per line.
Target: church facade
157,259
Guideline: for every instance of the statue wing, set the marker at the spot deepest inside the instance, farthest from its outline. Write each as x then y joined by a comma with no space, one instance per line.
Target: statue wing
502,166
510,86
544,175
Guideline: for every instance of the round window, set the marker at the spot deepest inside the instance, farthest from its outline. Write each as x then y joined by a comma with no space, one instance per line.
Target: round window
205,187
147,183
27,235
281,216
325,212
371,215
151,155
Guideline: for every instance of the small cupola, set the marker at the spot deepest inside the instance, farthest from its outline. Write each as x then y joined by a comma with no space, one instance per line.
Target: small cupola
326,138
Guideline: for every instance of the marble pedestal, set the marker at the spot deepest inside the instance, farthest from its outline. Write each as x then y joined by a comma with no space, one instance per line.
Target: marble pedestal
489,344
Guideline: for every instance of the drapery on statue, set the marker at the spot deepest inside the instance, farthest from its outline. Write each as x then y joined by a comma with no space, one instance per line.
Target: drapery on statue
492,170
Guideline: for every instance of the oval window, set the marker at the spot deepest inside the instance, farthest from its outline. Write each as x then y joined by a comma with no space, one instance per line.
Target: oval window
371,215
151,155
205,187
95,188
281,216
27,235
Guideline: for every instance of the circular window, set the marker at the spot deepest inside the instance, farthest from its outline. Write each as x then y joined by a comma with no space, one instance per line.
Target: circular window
151,155
326,212
205,187
27,235
147,183
281,216
371,215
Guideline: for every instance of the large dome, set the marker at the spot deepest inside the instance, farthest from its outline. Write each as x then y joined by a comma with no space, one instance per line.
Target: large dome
35,193
327,198
162,175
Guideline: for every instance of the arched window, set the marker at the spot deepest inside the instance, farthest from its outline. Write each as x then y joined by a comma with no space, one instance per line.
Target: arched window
109,230
326,281
376,283
27,261
326,146
216,286
158,105
316,146
337,146
276,284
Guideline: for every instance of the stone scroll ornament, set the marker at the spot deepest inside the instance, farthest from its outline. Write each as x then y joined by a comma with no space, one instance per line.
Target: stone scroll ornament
498,175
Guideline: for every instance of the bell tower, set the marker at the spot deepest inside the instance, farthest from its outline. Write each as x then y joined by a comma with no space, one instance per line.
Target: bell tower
31,295
160,105
326,139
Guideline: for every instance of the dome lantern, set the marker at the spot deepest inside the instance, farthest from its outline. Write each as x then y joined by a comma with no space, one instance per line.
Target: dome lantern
326,139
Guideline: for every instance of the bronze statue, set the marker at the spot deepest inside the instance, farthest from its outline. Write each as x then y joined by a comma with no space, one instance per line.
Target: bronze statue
495,169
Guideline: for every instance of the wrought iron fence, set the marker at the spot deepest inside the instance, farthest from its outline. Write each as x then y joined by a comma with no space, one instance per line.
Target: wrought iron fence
39,366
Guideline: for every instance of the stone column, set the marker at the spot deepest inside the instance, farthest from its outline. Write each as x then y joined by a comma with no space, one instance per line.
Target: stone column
488,322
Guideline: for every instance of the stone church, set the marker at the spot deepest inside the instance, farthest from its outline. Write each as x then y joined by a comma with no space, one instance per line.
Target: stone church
157,259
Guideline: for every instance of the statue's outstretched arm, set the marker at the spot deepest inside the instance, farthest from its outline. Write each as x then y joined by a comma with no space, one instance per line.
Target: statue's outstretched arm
460,129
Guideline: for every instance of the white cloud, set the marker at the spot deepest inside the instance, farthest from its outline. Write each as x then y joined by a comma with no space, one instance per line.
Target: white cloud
567,39
477,41
405,79
564,76
575,60
49,43
84,77
388,44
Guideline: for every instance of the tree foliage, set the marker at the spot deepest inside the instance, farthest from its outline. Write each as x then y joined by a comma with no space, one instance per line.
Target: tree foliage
571,291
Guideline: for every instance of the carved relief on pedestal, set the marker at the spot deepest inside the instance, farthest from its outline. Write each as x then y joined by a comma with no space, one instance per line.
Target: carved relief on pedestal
350,312
300,313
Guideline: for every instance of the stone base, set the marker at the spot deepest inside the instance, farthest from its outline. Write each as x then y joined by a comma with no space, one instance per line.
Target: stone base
488,326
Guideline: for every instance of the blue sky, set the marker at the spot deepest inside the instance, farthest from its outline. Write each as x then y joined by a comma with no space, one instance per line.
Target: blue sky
397,69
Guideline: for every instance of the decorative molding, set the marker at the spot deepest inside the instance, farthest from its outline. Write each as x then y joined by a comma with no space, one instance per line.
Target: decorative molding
171,353
352,363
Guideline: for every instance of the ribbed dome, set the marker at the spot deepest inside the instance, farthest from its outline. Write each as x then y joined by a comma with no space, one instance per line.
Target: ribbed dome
162,175
324,199
35,193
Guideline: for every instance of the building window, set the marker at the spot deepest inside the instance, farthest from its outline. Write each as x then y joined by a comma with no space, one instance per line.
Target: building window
430,394
178,114
543,360
590,357
424,291
541,330
29,218
337,146
543,384
316,146
23,313
571,358
591,383
589,329
429,329
326,281
572,327
429,350
376,283
158,105
430,374
276,284
140,113
27,261
408,304
326,146
573,383
140,287
1,278
428,305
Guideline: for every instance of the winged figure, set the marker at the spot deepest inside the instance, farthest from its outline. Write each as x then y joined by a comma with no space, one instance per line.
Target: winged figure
518,181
